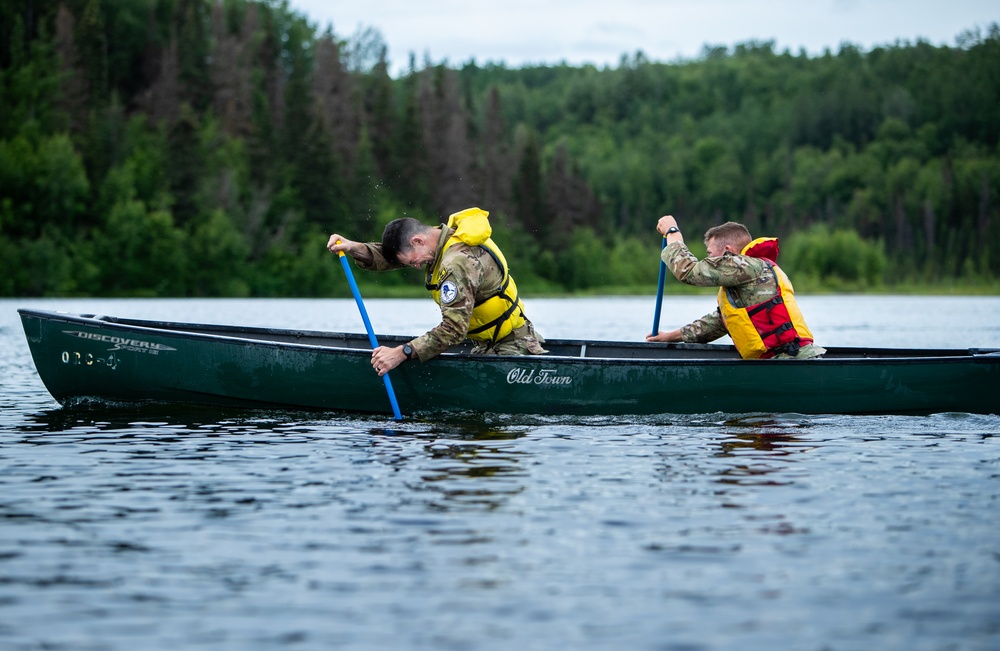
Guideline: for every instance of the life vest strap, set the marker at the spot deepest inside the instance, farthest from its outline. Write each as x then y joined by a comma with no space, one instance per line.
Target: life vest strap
766,305
497,322
501,292
791,348
787,325
515,303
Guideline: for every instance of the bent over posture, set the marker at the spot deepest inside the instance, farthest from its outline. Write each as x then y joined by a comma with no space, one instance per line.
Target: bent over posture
468,278
756,301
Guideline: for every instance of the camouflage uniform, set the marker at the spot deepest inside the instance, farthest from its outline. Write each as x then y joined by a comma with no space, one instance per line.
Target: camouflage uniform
751,279
476,277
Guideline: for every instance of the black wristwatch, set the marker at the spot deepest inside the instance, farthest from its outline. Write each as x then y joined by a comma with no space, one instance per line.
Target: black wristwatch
408,351
672,229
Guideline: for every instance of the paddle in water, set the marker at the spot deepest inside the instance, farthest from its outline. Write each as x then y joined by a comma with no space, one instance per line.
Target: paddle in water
659,291
368,326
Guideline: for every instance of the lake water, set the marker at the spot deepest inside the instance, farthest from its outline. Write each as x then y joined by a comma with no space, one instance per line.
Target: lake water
198,528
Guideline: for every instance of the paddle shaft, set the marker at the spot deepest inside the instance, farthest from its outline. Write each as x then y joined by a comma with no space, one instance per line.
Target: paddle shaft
368,326
659,291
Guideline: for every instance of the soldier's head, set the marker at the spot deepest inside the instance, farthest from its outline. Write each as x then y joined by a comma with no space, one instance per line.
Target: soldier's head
408,242
726,237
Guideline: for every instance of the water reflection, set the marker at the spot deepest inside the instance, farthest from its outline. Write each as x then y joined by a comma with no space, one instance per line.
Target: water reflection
761,451
459,465
166,418
471,474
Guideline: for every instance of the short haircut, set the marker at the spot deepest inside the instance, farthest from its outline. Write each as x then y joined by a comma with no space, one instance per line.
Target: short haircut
397,235
731,233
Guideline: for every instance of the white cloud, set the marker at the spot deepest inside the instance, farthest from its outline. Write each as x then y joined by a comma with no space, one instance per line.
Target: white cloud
520,32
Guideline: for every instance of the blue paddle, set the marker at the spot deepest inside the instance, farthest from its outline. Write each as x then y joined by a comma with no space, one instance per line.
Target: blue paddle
659,291
368,326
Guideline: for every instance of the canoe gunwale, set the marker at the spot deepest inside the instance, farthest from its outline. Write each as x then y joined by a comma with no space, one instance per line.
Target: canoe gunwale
684,353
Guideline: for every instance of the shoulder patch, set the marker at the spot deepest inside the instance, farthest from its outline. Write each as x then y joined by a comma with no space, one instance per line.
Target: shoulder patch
448,292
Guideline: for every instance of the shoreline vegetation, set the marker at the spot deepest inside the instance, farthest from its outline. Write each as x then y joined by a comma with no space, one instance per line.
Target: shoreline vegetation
372,289
207,148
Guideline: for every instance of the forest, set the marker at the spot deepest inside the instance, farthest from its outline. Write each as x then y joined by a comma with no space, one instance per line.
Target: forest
209,147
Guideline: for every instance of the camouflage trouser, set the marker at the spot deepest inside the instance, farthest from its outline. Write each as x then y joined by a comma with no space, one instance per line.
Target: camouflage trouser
806,352
522,341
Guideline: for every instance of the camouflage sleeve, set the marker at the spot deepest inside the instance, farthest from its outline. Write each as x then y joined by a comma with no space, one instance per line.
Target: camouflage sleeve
707,328
465,274
378,261
724,271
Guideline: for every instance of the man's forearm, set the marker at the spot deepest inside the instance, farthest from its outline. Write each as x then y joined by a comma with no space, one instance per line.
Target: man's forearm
708,328
440,338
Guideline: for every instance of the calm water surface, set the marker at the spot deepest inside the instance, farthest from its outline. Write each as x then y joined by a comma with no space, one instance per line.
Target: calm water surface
198,528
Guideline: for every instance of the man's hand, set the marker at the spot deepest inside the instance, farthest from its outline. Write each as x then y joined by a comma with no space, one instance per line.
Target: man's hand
384,359
665,223
338,243
673,335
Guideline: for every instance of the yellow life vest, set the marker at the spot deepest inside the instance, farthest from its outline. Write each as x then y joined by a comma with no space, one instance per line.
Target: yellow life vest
497,316
769,328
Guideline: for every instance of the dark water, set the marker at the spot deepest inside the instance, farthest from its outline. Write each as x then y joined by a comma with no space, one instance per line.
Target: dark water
194,528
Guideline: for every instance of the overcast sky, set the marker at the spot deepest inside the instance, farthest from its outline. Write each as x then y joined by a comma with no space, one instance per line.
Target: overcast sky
520,32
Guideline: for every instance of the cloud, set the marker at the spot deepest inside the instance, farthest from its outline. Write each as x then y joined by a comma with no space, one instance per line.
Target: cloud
520,32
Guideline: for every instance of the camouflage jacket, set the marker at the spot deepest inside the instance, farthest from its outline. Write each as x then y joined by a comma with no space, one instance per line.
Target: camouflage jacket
476,277
751,280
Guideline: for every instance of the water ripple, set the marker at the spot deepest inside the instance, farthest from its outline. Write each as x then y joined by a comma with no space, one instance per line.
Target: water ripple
163,527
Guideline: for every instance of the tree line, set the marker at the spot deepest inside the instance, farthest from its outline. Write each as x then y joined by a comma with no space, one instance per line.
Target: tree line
208,147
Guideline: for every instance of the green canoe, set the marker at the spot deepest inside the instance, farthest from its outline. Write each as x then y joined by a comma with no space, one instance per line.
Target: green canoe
82,358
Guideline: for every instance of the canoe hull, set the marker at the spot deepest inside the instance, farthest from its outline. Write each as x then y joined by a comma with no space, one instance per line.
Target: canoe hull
81,358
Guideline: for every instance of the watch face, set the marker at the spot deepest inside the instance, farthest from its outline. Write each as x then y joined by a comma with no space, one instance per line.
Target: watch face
407,350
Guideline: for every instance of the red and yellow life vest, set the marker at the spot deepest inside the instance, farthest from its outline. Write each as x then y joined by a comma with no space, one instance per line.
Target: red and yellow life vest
497,316
775,326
